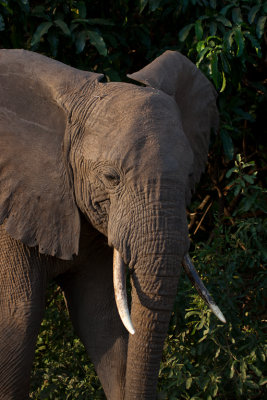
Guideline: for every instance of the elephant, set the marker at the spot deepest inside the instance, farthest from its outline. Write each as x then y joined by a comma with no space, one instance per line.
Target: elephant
95,177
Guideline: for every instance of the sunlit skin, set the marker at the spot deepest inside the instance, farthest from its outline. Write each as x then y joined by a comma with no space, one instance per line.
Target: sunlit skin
88,169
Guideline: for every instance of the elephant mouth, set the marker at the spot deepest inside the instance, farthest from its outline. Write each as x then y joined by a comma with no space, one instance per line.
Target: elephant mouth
119,281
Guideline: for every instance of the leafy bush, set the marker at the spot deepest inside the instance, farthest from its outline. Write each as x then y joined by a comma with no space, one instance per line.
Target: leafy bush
227,218
62,369
204,359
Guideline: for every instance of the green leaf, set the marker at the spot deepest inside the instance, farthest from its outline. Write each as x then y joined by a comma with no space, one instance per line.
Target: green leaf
217,353
243,368
232,370
224,21
5,4
99,21
239,39
255,43
230,172
202,322
53,41
244,115
214,70
223,82
251,384
39,11
214,390
228,145
201,45
2,23
188,383
143,3
201,55
154,4
213,4
260,26
42,29
225,9
24,4
262,355
63,26
238,157
82,9
263,381
252,13
225,63
188,314
203,338
229,39
198,30
185,32
203,17
237,190
213,28
112,40
237,16
239,389
97,40
249,178
73,26
80,41
256,370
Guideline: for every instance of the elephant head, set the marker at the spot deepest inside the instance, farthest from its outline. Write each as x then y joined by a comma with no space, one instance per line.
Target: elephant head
127,157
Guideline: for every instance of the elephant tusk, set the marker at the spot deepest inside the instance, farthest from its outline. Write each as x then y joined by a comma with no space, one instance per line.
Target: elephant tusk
203,292
119,281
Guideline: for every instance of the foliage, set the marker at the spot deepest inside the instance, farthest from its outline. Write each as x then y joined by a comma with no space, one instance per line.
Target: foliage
62,369
202,358
227,218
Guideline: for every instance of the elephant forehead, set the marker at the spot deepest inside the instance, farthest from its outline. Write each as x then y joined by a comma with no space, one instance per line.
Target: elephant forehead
136,127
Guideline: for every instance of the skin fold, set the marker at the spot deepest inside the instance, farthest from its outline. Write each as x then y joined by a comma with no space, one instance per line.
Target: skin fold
87,167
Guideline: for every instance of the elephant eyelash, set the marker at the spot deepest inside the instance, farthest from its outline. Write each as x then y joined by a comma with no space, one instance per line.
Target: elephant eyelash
110,180
109,177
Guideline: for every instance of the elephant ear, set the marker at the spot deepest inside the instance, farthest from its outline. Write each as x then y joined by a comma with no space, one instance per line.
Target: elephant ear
37,204
195,96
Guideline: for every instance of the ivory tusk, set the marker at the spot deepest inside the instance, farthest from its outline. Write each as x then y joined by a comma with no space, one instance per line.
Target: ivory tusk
203,292
119,282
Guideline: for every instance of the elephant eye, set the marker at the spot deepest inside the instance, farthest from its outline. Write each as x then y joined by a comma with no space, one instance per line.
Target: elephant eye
110,178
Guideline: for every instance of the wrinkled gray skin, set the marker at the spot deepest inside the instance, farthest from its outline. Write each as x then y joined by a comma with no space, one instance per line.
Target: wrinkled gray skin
85,167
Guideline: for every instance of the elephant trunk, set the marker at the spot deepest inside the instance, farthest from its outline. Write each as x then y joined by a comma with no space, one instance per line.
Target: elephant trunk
154,285
156,254
153,245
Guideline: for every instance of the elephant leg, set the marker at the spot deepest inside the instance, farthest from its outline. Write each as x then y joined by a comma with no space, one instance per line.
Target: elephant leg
89,294
22,293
